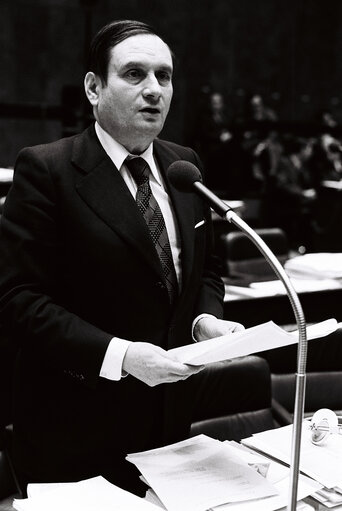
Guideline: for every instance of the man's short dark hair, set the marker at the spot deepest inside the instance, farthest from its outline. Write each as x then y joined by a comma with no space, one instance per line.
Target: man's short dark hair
108,37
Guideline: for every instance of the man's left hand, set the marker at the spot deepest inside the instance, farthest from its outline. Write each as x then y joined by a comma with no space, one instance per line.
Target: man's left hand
209,327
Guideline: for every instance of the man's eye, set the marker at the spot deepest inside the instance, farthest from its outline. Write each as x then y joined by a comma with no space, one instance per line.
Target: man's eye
163,77
134,74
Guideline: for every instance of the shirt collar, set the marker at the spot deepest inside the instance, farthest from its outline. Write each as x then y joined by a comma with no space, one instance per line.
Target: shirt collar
118,153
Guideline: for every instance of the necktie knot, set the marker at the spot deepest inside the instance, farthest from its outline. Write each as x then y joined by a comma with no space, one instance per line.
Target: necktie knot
139,169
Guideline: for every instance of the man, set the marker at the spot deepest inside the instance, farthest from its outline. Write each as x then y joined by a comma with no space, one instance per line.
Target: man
291,194
93,294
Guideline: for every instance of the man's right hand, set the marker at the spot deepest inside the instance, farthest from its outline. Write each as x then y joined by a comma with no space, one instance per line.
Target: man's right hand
153,365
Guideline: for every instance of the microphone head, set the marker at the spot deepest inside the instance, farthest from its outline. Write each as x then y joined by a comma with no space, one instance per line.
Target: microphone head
183,174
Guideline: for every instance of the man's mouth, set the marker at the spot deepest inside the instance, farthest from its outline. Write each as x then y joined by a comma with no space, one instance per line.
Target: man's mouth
150,110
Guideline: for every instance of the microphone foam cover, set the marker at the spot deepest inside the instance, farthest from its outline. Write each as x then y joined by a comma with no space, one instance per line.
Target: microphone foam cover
183,174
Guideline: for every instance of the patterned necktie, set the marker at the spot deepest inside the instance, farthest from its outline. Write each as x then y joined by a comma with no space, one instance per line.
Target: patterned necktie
154,219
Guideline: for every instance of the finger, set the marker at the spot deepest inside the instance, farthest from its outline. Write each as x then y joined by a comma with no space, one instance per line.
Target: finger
187,370
195,369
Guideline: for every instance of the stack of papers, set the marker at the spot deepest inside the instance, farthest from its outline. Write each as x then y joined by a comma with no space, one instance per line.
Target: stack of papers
315,266
331,498
279,476
89,495
252,340
323,463
200,473
203,474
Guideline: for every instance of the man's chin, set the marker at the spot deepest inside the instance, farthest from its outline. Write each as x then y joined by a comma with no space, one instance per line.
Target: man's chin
152,119
151,126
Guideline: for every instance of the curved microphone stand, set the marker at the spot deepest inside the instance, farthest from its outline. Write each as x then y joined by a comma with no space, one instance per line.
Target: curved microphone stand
186,177
301,353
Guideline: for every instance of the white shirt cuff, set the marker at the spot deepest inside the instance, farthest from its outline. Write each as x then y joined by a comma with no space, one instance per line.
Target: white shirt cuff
196,320
112,363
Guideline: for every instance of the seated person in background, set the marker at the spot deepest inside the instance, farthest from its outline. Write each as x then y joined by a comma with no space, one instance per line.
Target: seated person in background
265,158
326,160
258,111
217,146
290,193
104,267
260,142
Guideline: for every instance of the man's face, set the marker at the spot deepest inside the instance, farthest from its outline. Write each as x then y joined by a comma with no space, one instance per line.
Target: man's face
133,105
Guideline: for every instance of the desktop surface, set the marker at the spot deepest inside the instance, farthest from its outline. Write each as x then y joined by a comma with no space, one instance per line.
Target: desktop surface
318,305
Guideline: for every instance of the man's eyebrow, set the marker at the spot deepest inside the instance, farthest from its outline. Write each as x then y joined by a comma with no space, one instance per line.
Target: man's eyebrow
135,64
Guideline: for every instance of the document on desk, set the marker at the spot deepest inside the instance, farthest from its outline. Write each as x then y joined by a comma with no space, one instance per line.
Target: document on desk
277,474
276,287
319,265
321,462
95,493
198,474
252,340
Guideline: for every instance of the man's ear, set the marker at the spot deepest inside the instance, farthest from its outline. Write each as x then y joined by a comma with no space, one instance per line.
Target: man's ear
92,85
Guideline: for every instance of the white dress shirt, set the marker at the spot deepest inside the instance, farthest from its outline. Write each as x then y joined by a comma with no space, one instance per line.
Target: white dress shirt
112,362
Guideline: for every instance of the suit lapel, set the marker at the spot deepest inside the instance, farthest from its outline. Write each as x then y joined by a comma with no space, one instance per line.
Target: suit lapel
104,190
101,186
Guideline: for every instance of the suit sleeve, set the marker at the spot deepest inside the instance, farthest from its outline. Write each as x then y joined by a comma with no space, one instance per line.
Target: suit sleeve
29,305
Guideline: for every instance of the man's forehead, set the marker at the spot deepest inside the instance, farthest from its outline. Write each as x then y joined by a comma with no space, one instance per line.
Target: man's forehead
141,47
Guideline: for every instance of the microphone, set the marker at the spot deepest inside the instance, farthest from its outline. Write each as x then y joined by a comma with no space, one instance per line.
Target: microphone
186,177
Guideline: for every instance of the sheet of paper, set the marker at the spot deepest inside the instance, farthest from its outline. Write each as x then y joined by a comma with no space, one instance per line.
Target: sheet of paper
320,265
252,340
6,175
329,497
89,495
152,497
336,185
275,471
34,489
231,291
198,474
277,474
321,462
306,487
276,287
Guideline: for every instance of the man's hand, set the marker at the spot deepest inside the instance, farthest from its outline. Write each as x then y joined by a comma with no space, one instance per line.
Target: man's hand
153,365
209,327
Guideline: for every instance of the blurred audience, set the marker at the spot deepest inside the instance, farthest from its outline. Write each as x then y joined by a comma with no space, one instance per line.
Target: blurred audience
258,111
291,197
249,157
326,161
259,142
220,151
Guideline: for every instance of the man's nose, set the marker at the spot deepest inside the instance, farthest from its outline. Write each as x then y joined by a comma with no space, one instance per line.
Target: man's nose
152,87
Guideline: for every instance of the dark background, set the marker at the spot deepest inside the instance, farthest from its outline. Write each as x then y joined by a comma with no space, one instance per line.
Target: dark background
287,51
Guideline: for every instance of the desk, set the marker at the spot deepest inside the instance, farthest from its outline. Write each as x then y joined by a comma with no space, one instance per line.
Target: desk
317,306
6,178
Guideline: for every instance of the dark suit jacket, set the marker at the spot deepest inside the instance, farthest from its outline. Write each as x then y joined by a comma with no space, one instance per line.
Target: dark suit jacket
77,268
